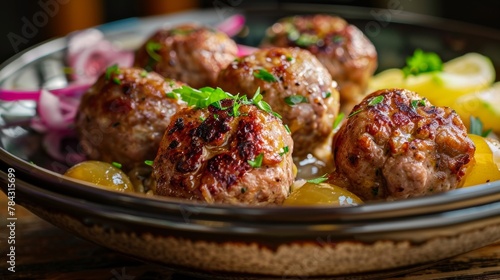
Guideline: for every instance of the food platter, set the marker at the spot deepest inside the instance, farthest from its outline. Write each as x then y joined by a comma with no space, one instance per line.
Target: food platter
255,242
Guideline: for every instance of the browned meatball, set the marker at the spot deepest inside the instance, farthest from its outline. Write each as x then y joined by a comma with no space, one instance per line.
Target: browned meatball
123,116
397,145
346,52
209,154
190,53
287,76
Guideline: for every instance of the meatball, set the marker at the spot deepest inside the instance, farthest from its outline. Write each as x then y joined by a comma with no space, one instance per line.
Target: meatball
217,155
123,116
190,53
346,52
296,86
396,145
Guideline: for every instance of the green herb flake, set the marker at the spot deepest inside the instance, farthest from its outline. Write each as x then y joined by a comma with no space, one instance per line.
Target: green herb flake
354,113
287,129
422,62
340,117
148,162
152,48
295,99
264,75
202,118
243,190
289,58
376,100
476,127
337,39
172,95
143,73
306,40
284,151
117,164
203,97
111,70
318,180
117,80
418,102
263,105
257,161
326,94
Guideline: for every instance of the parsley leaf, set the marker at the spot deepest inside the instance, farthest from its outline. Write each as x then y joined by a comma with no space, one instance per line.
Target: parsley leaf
318,180
148,162
476,127
111,70
117,164
374,101
264,75
422,62
263,105
418,102
203,97
152,48
338,120
295,99
257,161
285,151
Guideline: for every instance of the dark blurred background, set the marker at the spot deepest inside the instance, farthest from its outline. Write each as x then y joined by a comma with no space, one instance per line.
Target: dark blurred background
54,18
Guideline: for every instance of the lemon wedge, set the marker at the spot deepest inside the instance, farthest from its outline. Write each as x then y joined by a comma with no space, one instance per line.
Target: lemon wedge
484,105
466,74
487,161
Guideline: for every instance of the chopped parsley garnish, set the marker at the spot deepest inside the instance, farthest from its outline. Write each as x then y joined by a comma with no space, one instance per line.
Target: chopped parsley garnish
422,62
264,75
285,151
206,96
263,105
143,73
152,48
318,180
419,102
203,97
306,40
117,80
337,39
148,162
338,120
172,95
111,70
295,99
289,58
287,129
476,127
257,161
116,164
374,101
326,94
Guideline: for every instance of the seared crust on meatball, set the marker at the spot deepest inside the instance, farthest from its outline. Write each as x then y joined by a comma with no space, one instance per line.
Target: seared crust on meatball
346,52
212,155
396,145
190,53
283,74
123,116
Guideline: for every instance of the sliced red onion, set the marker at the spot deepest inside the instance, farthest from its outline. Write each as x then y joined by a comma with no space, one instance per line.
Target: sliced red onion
232,25
54,113
74,90
244,50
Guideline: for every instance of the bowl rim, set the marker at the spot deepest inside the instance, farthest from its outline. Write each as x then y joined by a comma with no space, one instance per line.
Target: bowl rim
453,200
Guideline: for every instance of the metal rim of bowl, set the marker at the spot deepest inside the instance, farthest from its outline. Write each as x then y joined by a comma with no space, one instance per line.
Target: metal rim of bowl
454,200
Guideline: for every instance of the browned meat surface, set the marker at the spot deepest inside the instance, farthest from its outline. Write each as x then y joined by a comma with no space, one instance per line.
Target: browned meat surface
346,52
123,116
189,53
283,74
206,155
397,145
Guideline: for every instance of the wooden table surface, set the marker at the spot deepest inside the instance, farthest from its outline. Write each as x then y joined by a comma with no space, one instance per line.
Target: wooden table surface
44,251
